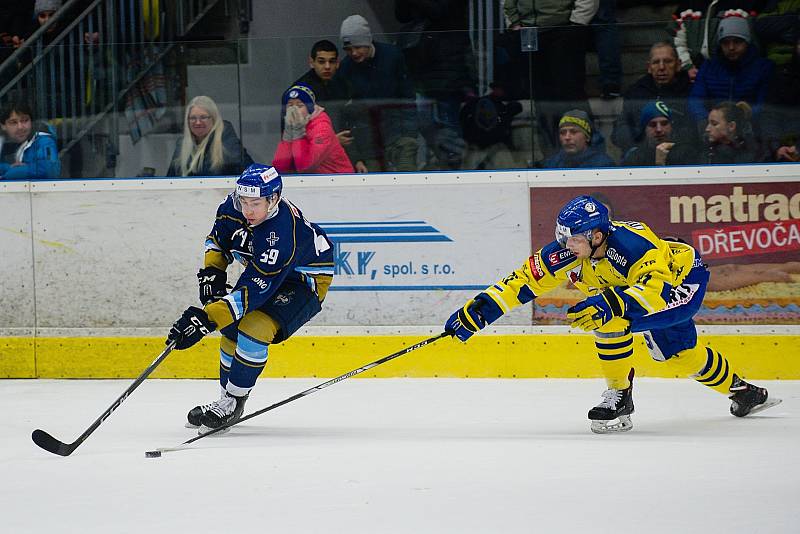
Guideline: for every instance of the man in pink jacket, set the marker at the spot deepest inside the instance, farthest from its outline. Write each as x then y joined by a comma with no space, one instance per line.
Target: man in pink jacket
309,144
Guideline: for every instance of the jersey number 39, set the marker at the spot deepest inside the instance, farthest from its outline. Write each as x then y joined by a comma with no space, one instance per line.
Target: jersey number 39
270,256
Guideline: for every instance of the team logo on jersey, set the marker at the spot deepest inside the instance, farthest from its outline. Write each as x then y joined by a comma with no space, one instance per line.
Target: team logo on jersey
616,257
272,239
536,267
680,295
574,275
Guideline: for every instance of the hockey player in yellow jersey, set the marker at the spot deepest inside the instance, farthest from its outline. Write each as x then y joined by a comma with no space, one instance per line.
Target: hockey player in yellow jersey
634,282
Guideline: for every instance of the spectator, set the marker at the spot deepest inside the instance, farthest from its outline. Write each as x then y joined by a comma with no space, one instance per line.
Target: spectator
739,73
664,81
309,144
438,53
660,145
575,135
209,145
729,137
43,11
330,90
486,122
28,150
607,44
781,118
558,65
384,119
776,28
16,22
696,23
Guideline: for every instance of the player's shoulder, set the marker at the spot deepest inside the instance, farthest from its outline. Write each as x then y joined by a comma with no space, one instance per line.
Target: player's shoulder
554,257
628,241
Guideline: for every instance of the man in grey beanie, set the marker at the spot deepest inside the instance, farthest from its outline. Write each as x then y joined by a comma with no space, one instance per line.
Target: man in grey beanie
737,73
383,123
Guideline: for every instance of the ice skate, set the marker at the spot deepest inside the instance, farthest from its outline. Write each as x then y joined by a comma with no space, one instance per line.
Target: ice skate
221,412
613,414
193,418
747,398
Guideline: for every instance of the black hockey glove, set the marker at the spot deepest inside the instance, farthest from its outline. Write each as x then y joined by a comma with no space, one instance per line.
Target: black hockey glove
466,321
190,328
212,284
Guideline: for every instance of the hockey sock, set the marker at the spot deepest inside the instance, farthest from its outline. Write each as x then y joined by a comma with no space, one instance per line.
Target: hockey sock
614,350
256,331
227,347
706,366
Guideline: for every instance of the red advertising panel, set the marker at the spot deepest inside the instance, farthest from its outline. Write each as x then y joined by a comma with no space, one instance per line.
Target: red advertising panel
748,234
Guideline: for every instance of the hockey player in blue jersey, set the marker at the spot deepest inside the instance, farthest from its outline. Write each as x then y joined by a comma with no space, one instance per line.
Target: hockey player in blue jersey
634,282
288,269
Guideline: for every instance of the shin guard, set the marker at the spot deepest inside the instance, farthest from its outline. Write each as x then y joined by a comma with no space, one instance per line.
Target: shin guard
614,350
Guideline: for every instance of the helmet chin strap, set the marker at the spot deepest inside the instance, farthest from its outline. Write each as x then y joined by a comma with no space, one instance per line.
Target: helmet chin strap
274,209
595,247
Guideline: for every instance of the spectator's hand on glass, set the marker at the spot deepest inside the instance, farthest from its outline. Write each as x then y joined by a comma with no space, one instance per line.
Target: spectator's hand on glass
91,38
360,167
692,73
787,153
345,137
17,41
516,26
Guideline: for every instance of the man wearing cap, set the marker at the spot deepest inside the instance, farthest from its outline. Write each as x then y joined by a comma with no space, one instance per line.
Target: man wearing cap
736,74
660,145
665,82
574,135
384,126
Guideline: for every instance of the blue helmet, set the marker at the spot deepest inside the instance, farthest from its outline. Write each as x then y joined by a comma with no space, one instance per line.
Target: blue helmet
580,216
257,180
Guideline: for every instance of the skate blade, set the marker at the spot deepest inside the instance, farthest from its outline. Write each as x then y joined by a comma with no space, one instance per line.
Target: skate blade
769,403
610,427
190,425
205,430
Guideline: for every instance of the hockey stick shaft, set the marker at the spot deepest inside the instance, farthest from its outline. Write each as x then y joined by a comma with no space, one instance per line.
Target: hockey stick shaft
51,444
309,391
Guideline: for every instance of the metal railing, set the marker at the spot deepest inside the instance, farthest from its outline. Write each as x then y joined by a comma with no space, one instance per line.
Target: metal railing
76,68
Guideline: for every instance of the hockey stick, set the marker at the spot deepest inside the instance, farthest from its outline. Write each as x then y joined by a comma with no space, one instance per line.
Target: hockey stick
51,444
157,453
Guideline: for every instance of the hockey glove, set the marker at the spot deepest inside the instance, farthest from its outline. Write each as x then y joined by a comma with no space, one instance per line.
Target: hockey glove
466,321
595,311
190,328
212,284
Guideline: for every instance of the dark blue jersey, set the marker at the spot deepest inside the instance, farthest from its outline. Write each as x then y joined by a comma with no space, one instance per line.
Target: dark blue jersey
284,247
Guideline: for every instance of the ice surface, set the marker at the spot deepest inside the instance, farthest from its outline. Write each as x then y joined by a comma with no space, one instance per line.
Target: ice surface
400,455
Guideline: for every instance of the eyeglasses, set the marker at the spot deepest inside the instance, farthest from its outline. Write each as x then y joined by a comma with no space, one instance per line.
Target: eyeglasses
200,118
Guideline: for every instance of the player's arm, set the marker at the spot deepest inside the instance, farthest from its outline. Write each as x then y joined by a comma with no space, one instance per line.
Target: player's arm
545,270
212,278
649,286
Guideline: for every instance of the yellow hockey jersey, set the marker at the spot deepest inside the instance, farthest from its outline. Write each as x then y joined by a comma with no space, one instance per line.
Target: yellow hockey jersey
639,266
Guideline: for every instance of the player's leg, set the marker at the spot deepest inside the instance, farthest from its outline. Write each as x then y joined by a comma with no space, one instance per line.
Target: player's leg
227,348
614,344
255,333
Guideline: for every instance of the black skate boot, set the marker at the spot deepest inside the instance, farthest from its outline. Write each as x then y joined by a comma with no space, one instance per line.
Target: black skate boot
223,411
194,417
747,398
617,404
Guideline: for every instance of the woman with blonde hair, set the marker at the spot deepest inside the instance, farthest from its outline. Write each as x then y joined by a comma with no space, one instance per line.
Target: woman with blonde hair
209,145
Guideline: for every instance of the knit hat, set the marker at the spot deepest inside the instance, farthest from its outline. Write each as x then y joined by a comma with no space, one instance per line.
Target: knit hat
46,5
579,118
734,27
303,93
653,110
355,32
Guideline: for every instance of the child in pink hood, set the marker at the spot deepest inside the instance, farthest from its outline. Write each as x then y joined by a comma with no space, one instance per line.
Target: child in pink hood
309,145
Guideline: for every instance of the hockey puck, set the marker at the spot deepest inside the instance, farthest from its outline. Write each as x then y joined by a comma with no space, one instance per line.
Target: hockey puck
152,454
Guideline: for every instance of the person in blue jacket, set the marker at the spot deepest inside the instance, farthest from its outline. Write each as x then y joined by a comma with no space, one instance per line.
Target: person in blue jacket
28,149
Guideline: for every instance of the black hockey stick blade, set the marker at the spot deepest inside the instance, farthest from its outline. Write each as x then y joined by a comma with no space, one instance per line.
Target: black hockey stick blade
51,444
157,452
